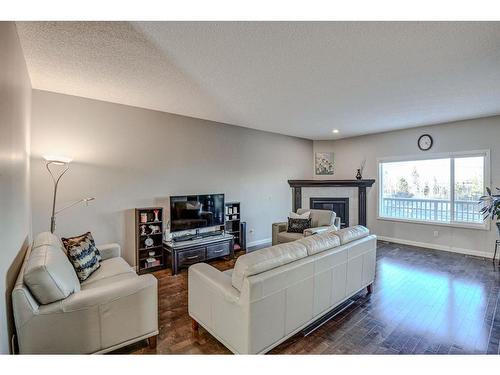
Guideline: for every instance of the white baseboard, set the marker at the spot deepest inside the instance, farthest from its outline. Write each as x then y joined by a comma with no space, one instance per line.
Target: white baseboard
427,245
260,242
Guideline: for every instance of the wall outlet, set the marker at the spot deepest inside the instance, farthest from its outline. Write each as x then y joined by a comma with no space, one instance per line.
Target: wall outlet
436,233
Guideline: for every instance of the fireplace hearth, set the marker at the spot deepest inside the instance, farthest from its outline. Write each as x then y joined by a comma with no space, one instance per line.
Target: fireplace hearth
338,205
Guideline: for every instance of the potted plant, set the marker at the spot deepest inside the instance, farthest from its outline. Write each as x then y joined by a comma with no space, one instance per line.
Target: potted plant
491,206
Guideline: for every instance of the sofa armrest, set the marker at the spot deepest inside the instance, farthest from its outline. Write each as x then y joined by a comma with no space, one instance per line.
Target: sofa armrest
109,293
277,228
213,279
216,305
325,228
337,223
111,250
280,227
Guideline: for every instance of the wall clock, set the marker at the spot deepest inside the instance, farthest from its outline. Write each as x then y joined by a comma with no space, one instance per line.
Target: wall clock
425,142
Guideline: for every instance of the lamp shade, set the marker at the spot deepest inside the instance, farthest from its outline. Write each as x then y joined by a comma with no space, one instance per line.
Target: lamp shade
57,159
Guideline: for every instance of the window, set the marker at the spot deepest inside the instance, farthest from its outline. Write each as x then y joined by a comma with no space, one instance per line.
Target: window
443,188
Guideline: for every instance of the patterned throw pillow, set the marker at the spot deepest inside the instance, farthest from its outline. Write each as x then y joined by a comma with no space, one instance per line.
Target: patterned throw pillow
298,225
83,254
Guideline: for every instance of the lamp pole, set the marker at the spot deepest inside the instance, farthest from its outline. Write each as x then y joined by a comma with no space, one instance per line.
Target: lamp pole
56,183
63,162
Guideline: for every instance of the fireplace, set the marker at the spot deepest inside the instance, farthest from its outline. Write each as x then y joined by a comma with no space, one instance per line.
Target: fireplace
339,205
361,185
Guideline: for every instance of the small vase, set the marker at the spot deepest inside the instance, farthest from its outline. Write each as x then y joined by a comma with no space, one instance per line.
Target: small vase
358,175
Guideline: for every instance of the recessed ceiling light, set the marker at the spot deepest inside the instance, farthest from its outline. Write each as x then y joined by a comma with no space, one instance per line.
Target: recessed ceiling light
335,131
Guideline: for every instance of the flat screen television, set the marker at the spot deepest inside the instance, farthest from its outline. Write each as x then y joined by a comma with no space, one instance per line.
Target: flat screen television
196,211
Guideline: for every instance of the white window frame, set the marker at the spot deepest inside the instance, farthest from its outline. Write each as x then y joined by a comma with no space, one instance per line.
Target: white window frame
442,155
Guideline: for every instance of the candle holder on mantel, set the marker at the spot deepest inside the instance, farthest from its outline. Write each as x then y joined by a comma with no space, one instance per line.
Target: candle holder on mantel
358,175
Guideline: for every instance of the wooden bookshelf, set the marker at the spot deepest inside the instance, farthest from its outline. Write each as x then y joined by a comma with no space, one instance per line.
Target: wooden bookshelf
232,219
149,239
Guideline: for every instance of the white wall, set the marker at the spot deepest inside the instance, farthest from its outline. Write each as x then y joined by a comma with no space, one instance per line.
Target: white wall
15,212
458,136
128,157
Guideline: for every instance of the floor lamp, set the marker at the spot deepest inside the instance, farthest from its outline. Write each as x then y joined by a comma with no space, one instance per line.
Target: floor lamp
62,162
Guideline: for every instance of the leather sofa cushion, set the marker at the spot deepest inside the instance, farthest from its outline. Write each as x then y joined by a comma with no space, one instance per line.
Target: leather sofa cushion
320,242
350,234
284,237
319,218
266,259
49,275
109,281
47,238
107,271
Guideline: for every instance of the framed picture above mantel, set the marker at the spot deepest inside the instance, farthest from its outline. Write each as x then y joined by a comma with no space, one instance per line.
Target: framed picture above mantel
324,164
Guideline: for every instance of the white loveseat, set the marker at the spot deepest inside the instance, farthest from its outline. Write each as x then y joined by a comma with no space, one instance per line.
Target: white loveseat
54,313
273,293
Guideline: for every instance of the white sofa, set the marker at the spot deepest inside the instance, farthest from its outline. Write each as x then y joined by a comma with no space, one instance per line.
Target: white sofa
56,314
273,293
321,220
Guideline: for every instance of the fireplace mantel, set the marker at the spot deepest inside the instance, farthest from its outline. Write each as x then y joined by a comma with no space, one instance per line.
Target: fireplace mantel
331,183
297,186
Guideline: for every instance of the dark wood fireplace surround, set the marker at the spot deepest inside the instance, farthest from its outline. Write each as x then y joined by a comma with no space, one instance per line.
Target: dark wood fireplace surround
297,186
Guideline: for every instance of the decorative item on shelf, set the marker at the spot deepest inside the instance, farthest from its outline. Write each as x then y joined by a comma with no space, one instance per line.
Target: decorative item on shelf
359,174
155,229
152,253
324,163
152,262
144,217
60,161
143,230
156,212
149,242
491,209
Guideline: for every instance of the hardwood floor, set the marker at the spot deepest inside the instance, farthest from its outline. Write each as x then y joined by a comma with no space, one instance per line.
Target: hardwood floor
423,302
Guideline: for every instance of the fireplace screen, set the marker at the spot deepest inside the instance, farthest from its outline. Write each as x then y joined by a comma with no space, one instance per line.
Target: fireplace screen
338,205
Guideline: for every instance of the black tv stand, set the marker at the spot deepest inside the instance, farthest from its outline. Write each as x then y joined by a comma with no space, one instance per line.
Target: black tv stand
212,245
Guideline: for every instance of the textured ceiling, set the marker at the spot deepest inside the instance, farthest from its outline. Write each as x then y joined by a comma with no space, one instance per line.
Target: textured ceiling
297,78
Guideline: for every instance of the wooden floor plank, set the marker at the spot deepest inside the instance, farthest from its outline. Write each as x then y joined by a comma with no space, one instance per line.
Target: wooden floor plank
424,302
